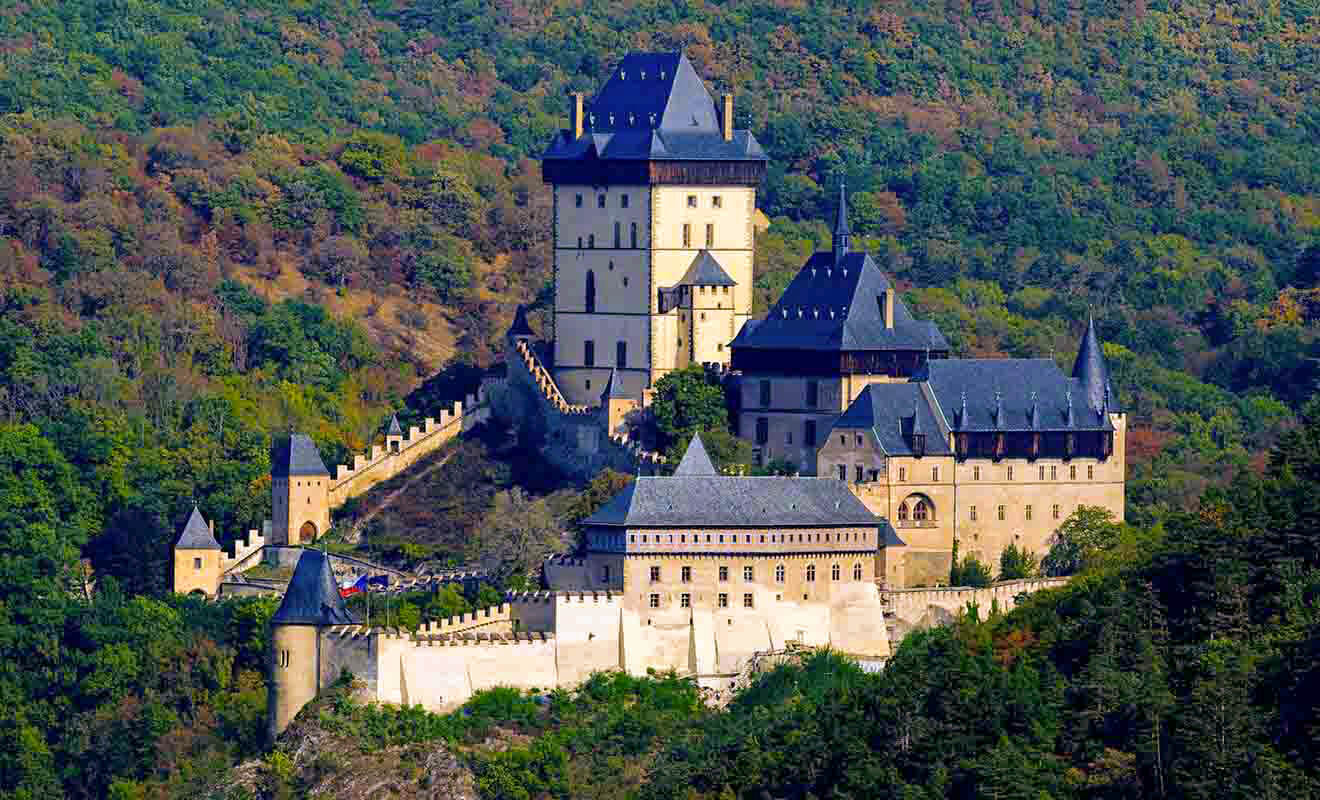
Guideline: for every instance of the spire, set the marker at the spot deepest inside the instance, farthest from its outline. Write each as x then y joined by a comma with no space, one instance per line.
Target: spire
196,534
520,328
395,428
842,233
1035,413
313,596
695,461
1089,368
613,387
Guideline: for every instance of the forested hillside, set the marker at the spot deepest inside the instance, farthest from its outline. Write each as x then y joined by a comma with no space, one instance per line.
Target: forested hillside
223,219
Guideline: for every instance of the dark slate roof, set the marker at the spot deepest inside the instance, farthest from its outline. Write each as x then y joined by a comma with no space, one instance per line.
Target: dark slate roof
696,461
706,271
706,501
889,536
395,429
614,387
892,410
654,107
298,456
312,597
196,534
1007,385
520,326
802,318
1090,371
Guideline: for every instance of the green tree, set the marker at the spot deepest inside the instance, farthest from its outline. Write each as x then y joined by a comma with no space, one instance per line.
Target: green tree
687,400
1084,535
1015,564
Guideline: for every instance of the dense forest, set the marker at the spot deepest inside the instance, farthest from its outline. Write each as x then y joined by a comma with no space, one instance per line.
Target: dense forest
223,220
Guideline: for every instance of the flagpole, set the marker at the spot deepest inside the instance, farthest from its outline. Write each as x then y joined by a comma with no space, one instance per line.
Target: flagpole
368,606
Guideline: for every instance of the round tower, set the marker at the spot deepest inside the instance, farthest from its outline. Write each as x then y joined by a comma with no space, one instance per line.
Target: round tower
311,603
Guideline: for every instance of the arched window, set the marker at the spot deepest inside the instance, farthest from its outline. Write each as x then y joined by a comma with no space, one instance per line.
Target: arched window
779,574
857,572
811,573
902,512
834,572
591,291
919,511
633,235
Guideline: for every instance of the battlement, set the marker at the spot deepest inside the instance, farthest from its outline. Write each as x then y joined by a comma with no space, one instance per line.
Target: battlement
545,382
483,638
529,597
565,561
464,622
243,550
638,452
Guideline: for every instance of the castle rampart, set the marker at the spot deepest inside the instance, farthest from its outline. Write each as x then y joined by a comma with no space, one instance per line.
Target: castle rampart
907,610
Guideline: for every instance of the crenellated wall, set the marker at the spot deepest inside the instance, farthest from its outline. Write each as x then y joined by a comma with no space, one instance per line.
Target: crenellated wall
907,610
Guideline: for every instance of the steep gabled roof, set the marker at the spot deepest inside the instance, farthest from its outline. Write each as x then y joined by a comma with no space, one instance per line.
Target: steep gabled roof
1006,388
395,429
894,412
312,597
696,461
297,456
706,501
705,270
1091,372
196,534
829,307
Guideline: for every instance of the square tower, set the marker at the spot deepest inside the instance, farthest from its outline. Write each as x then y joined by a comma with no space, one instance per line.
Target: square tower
653,187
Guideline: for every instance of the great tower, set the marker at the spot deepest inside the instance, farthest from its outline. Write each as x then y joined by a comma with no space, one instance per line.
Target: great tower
654,201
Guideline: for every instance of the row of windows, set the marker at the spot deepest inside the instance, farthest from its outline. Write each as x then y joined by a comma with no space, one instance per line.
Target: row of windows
1041,471
1002,512
749,573
685,600
715,202
687,235
589,354
812,396
773,538
618,237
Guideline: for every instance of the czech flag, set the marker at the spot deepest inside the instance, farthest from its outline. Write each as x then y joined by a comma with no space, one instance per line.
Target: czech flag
379,581
352,586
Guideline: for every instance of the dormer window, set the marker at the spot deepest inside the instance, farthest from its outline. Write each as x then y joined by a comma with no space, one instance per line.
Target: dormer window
623,76
643,75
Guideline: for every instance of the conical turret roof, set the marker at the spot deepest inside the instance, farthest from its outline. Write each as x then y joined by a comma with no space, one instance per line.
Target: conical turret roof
312,597
520,326
1089,369
695,461
395,428
842,232
196,534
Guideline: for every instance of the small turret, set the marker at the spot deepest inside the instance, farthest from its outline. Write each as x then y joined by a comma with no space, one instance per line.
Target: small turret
1089,369
842,232
394,434
616,404
198,558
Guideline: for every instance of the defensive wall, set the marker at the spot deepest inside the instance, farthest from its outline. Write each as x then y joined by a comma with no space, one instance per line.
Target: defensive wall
576,439
908,610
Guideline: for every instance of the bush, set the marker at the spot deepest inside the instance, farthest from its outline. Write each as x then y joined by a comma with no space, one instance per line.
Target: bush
971,572
1016,564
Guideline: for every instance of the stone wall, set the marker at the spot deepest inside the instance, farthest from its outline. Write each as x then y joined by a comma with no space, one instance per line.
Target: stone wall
907,610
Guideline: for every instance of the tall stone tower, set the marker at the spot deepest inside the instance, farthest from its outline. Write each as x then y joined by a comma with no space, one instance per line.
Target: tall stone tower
654,199
300,492
311,602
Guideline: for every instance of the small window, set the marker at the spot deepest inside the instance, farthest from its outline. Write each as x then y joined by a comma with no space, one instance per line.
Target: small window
577,201
685,600
589,353
687,235
618,234
859,440
724,573
843,472
902,474
591,241
600,201
788,437
724,600
1054,473
1010,473
623,201
779,574
710,236
813,393
655,601
859,473
692,201
717,202
935,474
632,240
976,473
1090,472
587,383
747,573
685,574
1042,472
197,563
809,433
903,511
1001,513
655,574
811,573
747,600
762,430
971,513
621,354
834,573
1072,472
579,242
1028,512
857,572
765,394
1055,510
605,574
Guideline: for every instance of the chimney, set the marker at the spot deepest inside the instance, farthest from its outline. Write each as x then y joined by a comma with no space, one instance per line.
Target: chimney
727,118
575,117
889,309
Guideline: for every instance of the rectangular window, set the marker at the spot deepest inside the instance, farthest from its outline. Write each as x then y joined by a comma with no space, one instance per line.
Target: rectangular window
692,201
788,437
858,473
1010,473
717,202
1028,512
843,472
1056,510
577,201
589,353
809,433
859,440
971,513
902,474
655,601
621,354
687,235
685,574
747,600
600,201
710,236
1001,513
1090,472
1072,472
605,574
1042,472
655,574
1054,473
762,430
724,600
813,393
197,563
976,473
685,600
724,573
623,201
747,573
765,394
935,474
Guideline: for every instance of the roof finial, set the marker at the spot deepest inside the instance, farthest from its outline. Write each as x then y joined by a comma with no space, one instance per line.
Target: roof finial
962,415
999,410
1035,413
1069,420
842,233
916,418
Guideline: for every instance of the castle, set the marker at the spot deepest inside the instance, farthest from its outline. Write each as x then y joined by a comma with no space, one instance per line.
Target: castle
905,455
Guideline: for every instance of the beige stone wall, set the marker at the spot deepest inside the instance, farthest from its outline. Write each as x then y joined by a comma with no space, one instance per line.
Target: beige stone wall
708,327
296,501
294,673
917,609
743,543
441,675
198,570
